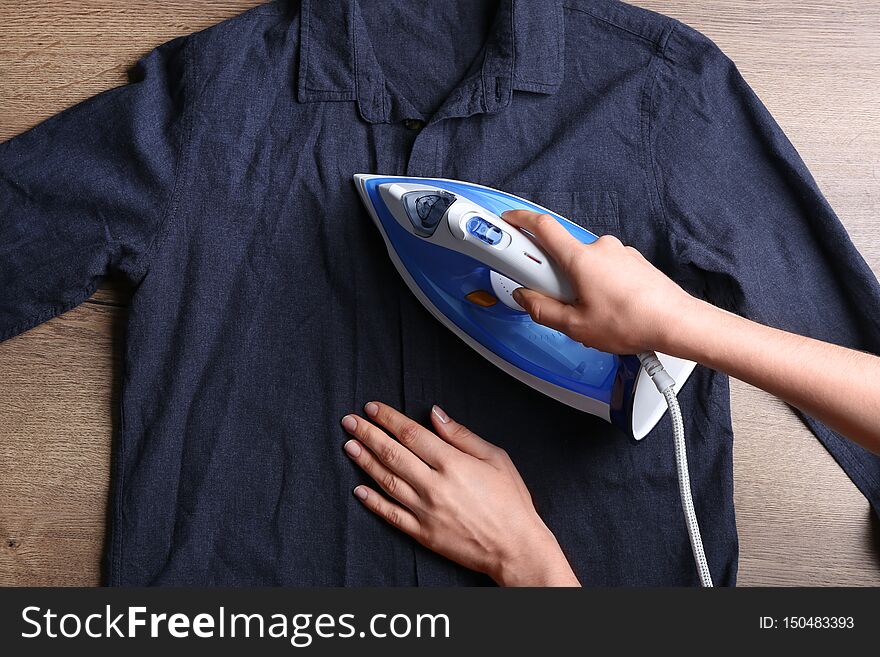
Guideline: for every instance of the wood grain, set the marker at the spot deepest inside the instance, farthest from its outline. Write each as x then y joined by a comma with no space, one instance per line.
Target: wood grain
815,64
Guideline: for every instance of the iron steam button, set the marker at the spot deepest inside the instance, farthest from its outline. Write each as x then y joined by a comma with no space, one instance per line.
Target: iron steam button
485,231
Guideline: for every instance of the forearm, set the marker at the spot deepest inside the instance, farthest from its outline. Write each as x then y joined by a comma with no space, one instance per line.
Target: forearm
837,386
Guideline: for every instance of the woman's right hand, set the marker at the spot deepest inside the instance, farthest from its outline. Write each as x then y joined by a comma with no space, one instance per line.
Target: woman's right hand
624,304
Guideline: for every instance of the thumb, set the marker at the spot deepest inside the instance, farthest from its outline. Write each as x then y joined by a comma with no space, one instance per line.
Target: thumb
543,309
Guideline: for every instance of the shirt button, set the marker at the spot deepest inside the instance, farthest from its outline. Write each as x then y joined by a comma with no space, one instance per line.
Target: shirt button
414,124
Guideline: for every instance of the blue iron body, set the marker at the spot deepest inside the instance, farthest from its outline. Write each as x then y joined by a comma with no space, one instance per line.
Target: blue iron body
442,278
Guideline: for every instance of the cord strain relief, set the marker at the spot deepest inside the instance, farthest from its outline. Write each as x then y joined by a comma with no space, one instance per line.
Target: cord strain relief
655,370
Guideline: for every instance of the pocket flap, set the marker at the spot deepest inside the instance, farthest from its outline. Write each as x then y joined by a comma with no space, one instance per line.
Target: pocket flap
588,209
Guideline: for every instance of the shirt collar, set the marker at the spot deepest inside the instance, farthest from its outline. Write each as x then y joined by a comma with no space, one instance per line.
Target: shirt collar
524,53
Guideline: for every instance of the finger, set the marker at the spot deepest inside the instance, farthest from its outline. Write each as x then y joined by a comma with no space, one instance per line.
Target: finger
392,513
459,436
390,453
545,310
557,241
391,483
411,434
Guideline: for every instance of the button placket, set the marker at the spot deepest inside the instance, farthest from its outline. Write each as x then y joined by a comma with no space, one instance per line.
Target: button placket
422,160
419,356
421,340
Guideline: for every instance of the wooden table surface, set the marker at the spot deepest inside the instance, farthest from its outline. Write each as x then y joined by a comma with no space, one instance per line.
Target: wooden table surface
815,64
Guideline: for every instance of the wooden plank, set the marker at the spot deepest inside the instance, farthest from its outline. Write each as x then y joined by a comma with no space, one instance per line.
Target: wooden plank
56,401
816,65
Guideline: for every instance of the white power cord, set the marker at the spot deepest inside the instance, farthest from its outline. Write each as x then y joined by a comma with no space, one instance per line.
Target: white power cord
666,385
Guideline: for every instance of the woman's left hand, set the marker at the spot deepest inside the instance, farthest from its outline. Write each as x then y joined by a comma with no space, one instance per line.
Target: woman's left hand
456,494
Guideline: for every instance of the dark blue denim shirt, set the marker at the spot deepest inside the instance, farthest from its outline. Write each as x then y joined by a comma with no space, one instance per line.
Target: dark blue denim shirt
266,307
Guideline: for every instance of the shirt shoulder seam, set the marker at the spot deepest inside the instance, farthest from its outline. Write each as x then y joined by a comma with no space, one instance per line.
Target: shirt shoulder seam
652,167
143,264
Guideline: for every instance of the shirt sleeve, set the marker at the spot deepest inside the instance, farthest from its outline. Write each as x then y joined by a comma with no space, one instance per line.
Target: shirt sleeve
747,223
88,191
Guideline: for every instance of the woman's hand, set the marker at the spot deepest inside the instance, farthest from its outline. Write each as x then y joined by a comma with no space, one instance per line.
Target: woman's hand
456,494
624,304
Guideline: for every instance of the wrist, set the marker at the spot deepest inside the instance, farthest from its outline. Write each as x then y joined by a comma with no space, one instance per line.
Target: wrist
537,561
684,321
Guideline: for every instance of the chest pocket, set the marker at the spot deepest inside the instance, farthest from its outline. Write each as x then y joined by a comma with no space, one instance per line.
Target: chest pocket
595,211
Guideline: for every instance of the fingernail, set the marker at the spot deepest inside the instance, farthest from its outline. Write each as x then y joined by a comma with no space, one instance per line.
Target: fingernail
349,423
371,409
440,413
517,295
352,448
360,492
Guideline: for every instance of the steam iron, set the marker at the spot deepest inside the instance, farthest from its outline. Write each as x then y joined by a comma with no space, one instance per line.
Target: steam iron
463,261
